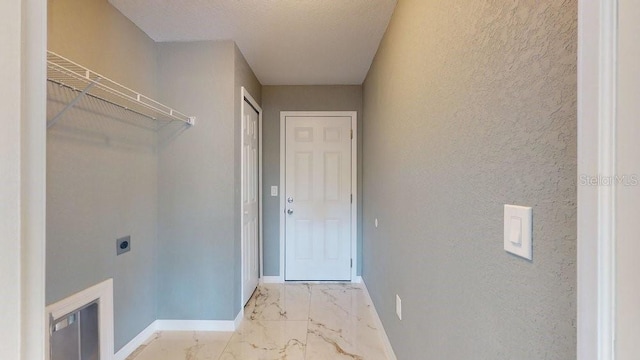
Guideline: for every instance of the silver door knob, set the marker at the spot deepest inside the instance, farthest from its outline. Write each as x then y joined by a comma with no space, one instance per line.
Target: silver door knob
289,211
289,200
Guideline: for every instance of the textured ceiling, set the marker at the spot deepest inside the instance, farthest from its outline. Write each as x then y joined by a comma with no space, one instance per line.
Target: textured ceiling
286,42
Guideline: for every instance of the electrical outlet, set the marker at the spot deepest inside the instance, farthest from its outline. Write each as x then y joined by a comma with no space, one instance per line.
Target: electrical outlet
123,245
398,307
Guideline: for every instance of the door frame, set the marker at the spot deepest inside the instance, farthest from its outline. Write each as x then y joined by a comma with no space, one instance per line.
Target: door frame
27,238
596,238
245,96
354,183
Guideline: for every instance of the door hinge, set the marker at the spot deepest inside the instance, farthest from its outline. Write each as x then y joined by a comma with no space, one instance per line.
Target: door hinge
352,198
351,134
352,263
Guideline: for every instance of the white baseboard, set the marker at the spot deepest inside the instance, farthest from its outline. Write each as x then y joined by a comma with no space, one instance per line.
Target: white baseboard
238,320
357,280
272,280
136,342
385,339
196,325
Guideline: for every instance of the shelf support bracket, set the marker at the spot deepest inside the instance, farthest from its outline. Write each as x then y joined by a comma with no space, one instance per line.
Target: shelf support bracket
55,119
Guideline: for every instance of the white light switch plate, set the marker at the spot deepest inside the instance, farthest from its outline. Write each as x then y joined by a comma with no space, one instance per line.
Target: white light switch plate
518,229
274,191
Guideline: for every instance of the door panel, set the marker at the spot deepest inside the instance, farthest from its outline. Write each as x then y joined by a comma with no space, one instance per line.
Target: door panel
332,178
304,240
303,167
250,202
331,239
317,194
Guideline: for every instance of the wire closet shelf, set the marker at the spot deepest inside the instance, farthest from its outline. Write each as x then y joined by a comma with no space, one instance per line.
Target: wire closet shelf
84,82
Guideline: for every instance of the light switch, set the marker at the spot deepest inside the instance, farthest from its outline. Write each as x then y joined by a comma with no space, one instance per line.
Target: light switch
518,228
515,236
274,191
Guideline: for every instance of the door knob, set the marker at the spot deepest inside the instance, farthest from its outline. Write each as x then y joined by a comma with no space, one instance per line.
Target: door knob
289,211
289,199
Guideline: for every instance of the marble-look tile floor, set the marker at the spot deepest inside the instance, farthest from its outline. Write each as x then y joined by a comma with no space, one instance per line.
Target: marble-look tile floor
284,321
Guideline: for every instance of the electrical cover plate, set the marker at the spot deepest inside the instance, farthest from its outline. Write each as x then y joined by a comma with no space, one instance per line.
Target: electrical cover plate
518,229
123,245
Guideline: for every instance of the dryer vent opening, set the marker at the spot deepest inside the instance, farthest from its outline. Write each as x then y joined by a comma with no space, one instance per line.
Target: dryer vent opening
75,336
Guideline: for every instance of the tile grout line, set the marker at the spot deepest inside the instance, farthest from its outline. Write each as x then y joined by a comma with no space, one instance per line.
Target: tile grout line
227,344
306,341
244,314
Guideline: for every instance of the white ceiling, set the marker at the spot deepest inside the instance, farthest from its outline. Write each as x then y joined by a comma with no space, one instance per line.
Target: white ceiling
286,42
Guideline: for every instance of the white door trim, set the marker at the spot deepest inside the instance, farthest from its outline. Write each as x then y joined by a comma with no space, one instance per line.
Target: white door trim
354,183
244,95
33,59
597,65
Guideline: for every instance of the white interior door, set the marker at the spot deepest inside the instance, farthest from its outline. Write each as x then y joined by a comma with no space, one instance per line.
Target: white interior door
250,201
318,197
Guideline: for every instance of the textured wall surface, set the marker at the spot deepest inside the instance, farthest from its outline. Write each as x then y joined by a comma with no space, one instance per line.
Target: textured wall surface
102,168
297,98
469,106
243,76
197,184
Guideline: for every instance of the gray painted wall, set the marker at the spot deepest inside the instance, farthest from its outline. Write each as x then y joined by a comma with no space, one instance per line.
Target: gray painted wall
101,169
298,98
468,106
243,76
196,183
199,181
174,191
95,34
